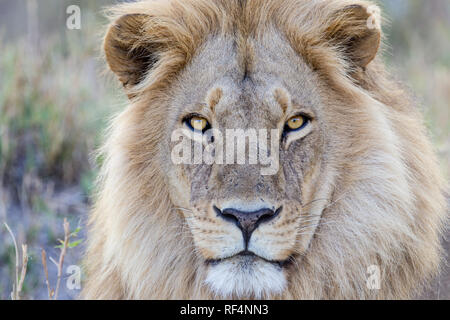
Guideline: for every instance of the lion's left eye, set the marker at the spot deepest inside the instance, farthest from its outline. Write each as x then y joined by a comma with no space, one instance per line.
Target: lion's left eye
296,123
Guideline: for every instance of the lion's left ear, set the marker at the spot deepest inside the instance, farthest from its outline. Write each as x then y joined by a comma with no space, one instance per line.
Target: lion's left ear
356,30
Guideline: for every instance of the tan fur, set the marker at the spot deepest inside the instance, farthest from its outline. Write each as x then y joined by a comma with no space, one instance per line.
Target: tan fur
365,175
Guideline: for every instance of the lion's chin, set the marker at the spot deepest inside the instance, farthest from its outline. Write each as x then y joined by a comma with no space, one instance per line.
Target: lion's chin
245,276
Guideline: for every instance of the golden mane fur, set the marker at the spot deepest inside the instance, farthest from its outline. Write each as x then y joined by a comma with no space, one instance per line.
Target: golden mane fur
141,248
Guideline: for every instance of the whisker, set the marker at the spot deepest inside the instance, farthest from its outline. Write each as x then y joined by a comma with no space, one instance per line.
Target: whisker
315,200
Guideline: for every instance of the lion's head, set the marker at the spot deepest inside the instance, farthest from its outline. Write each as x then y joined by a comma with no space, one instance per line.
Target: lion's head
343,183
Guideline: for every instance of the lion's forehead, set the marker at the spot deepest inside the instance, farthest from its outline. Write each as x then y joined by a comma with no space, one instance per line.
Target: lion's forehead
248,76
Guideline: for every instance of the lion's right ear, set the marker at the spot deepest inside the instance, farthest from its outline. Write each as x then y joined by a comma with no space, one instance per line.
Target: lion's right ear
127,52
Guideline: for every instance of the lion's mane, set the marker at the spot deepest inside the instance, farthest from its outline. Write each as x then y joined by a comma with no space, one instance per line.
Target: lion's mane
392,215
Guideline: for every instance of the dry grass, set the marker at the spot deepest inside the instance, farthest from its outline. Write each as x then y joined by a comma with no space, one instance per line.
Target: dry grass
53,107
18,281
419,56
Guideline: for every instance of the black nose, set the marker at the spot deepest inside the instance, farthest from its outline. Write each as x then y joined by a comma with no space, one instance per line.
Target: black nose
248,221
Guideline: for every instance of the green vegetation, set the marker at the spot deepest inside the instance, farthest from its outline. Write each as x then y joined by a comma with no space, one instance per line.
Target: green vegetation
418,38
54,104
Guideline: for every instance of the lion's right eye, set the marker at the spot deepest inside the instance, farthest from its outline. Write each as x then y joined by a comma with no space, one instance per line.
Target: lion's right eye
197,123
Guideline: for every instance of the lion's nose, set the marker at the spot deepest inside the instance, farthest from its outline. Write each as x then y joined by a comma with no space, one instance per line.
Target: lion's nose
248,221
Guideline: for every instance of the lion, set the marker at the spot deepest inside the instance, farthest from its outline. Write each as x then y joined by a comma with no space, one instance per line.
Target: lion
355,206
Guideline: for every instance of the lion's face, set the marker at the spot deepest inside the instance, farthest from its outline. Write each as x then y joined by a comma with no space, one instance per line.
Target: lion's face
248,224
329,174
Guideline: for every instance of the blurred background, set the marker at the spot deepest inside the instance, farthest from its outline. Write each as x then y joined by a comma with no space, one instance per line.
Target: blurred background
55,103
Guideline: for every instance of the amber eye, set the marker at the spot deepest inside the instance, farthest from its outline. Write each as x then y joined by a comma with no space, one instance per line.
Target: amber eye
197,123
296,123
